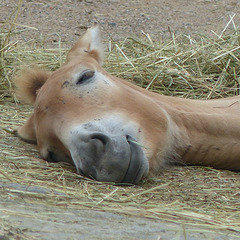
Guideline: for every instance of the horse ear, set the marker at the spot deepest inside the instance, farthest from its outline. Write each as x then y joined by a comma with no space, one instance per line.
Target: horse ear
90,43
29,82
27,131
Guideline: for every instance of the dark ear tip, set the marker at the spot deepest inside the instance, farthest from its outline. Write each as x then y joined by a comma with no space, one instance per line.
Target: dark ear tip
15,132
95,26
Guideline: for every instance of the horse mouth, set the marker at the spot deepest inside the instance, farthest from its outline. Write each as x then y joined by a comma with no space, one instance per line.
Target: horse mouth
134,171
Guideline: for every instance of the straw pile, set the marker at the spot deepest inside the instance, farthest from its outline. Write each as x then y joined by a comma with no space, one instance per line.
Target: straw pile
183,66
204,68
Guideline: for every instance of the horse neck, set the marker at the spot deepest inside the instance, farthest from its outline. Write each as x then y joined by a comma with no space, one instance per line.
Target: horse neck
208,131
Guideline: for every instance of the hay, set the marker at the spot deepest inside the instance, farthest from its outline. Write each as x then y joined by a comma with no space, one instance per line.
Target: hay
203,68
197,68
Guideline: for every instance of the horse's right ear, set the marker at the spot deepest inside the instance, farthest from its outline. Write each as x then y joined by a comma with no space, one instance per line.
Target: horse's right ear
90,44
29,82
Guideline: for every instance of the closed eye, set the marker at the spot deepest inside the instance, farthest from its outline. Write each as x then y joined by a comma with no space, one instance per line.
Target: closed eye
85,76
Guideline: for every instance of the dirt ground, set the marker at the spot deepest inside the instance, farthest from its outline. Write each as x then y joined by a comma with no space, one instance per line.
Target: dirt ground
67,19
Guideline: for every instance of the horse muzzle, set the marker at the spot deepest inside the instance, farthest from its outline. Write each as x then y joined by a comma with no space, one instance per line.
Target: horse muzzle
107,158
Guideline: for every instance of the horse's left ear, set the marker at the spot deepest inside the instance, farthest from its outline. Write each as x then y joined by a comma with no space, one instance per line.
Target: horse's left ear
27,131
89,44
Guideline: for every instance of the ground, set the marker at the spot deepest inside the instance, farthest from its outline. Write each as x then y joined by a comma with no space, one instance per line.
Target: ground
67,19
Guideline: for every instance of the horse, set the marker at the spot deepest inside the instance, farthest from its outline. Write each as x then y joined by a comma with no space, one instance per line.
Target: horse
114,131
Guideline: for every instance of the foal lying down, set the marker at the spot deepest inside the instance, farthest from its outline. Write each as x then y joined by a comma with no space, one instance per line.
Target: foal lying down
114,131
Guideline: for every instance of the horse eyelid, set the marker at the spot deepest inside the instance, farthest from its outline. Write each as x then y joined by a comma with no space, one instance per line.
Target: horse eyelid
85,76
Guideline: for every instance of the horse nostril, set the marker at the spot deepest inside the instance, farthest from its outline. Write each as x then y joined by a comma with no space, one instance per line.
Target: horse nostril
129,139
102,137
98,143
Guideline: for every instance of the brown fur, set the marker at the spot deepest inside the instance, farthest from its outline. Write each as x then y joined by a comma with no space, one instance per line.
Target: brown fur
29,82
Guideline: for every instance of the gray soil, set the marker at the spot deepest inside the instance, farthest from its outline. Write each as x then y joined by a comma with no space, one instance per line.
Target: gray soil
68,19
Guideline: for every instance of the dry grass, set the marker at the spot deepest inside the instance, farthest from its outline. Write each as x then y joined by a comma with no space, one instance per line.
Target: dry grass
184,67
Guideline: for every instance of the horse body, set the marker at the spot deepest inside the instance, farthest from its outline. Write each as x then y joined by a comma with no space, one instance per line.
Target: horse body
112,130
